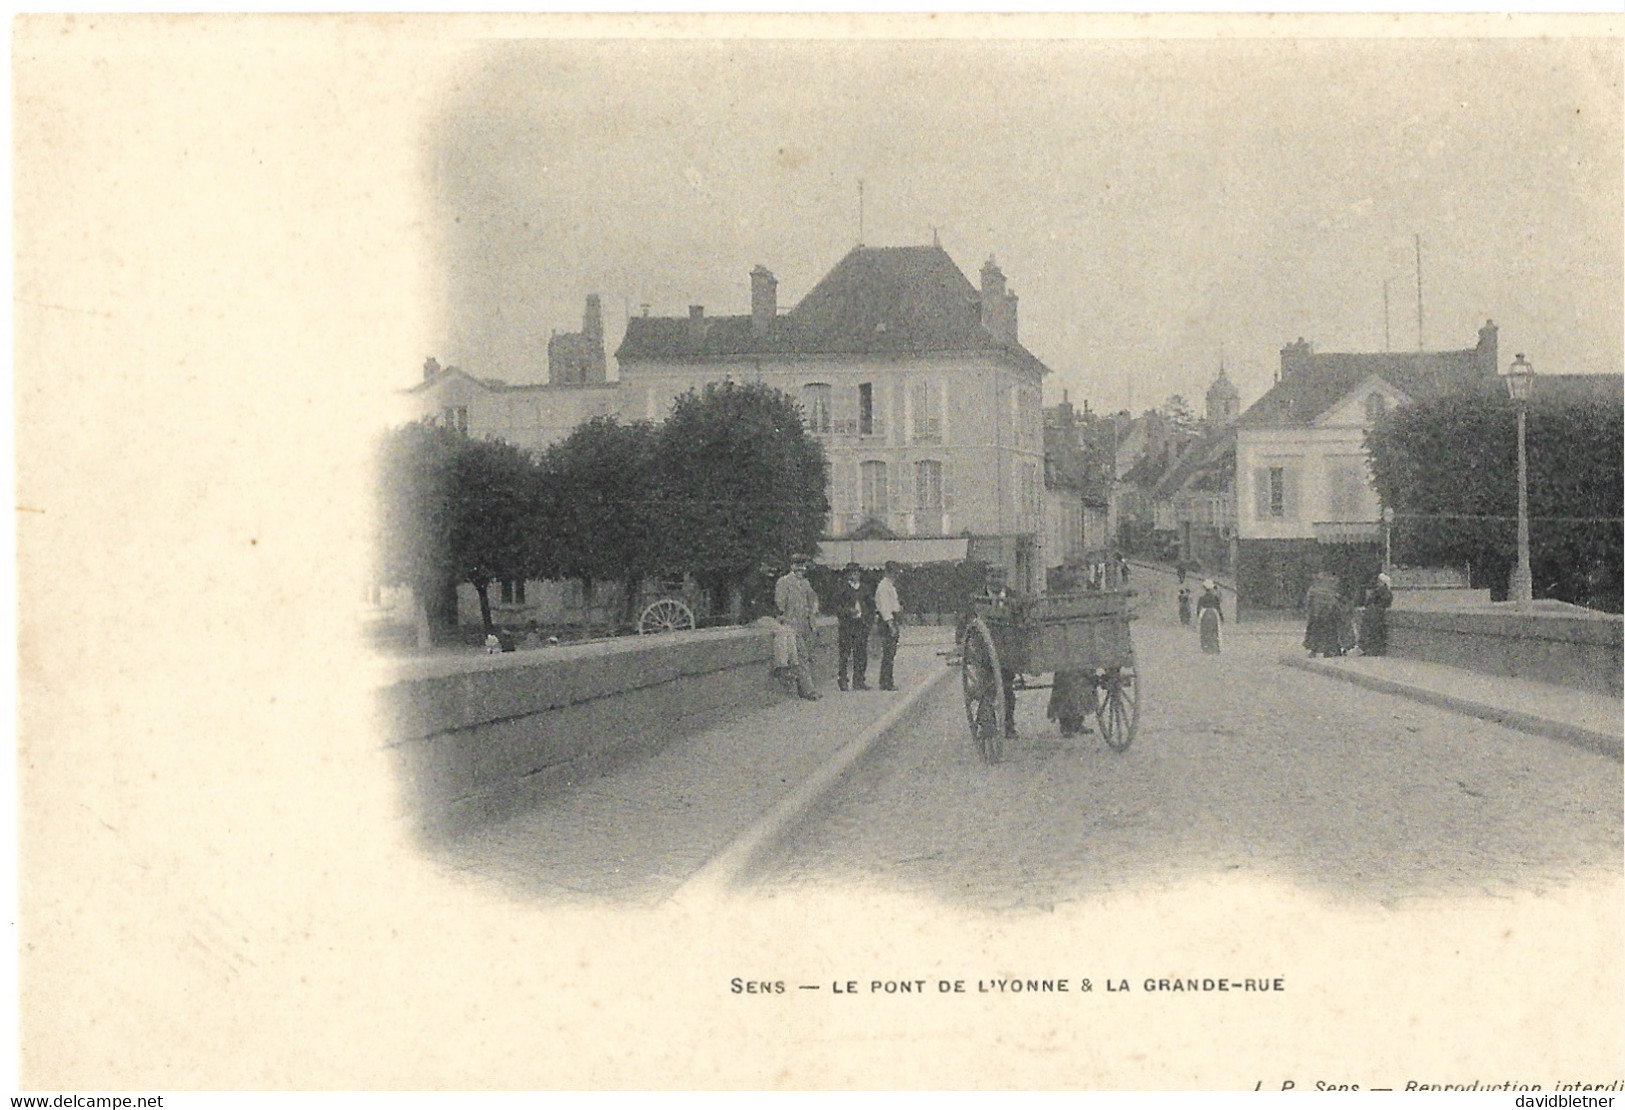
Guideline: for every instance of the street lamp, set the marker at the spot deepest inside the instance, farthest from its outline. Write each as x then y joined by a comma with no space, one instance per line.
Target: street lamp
1520,378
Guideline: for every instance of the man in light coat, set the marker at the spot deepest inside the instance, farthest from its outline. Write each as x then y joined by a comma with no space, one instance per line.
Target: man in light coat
798,605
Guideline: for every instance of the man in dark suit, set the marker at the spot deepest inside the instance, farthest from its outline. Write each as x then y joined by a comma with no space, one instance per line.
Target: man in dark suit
854,609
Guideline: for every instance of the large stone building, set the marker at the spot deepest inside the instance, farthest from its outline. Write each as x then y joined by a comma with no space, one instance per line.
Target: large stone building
914,380
1303,488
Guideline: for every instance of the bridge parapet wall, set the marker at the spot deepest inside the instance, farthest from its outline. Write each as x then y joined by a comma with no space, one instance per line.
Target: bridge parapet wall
1549,642
478,738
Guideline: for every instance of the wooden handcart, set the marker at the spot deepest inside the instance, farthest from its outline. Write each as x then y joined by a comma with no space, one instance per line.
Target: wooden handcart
1080,638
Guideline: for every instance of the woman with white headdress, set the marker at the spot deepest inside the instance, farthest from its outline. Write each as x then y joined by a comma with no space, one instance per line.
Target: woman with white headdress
1374,622
1209,617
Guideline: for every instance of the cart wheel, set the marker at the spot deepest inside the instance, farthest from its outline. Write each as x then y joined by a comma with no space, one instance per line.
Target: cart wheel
666,615
1118,706
984,692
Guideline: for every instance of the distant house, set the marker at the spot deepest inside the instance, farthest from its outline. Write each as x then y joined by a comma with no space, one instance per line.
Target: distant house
1146,453
577,358
914,380
1195,498
531,416
1077,482
1303,488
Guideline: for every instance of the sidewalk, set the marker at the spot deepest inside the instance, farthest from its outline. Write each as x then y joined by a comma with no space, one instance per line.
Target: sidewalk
1594,721
710,801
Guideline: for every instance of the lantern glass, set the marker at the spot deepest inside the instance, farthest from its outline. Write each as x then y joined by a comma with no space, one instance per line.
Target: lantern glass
1520,378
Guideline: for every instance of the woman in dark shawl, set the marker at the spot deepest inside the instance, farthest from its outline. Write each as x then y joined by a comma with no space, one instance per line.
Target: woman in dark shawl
1374,624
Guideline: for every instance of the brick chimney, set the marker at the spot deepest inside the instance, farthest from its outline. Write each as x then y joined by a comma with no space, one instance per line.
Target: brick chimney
1295,356
998,304
764,300
594,366
1488,349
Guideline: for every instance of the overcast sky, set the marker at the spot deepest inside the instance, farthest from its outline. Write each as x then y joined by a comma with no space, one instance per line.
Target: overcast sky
1155,204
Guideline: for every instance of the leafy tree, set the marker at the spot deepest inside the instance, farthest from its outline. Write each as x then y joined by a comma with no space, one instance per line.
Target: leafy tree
602,518
493,517
742,481
453,509
414,498
1181,419
1448,469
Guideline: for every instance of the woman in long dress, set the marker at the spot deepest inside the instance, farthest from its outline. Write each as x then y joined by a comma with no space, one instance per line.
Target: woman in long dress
1323,603
1374,625
1209,617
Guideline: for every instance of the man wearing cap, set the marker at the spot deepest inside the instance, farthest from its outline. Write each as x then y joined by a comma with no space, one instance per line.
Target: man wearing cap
852,610
798,605
889,611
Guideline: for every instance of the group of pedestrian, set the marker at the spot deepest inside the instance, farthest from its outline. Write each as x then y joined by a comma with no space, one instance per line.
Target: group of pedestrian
1209,609
859,614
1335,626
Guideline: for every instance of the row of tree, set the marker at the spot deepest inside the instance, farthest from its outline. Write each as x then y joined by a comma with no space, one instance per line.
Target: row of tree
731,479
1447,468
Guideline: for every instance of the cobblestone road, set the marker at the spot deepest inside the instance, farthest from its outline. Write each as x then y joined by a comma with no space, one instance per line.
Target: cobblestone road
1242,768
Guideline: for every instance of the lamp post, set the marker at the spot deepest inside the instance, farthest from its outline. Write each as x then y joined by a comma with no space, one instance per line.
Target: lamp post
1520,378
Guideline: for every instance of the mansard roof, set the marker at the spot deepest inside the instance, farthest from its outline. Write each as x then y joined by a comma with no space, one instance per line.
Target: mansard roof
876,301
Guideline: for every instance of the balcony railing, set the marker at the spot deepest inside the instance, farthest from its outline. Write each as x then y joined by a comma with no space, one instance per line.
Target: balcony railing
876,428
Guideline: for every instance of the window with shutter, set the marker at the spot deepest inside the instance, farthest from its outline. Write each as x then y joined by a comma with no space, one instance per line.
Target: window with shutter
928,485
875,500
927,405
815,407
842,502
845,420
1262,486
1289,493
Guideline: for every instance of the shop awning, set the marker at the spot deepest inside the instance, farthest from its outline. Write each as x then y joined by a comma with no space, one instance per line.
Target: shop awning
1348,531
877,552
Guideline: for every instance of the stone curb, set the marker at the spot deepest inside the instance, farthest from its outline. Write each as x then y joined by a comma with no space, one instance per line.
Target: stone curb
727,870
1608,744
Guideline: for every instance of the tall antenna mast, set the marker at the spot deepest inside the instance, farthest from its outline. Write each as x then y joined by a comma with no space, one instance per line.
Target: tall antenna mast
860,211
1420,342
1387,335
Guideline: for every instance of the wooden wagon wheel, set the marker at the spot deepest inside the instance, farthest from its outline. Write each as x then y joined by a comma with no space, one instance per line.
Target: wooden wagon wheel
666,615
1117,706
984,691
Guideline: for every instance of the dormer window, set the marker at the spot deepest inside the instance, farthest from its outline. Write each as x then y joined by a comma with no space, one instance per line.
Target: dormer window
1376,405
